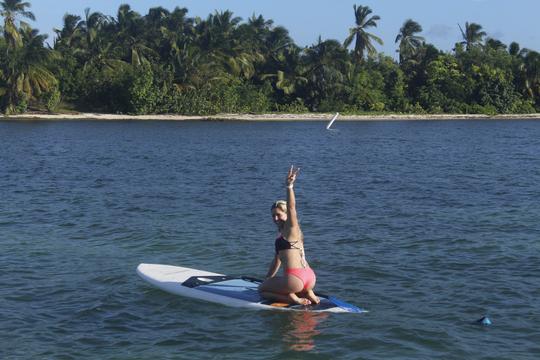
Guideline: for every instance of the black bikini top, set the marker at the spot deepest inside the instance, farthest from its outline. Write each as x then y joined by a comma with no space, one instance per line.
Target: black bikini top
283,244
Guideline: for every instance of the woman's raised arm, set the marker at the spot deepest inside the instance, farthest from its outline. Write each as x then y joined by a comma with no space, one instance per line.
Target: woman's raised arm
292,217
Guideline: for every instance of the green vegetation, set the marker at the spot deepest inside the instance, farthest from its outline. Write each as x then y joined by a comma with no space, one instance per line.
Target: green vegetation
168,62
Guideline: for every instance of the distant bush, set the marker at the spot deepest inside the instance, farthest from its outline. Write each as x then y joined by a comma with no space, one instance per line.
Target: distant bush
193,102
143,93
295,107
22,104
331,105
253,99
523,107
105,89
482,109
377,106
52,100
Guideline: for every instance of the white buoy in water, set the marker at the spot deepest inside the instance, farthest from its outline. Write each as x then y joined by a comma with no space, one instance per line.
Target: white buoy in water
332,121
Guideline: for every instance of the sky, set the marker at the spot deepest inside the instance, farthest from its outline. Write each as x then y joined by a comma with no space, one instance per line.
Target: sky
306,20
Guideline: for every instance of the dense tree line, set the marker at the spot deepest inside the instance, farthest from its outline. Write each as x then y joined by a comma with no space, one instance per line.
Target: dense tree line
168,62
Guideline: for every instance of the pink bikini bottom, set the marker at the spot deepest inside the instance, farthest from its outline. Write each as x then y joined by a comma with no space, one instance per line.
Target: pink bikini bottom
306,275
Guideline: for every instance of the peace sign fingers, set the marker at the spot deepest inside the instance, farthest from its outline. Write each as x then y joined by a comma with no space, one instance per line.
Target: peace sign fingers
291,176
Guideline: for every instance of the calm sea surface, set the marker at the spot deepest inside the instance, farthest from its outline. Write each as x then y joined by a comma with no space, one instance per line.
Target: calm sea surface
428,225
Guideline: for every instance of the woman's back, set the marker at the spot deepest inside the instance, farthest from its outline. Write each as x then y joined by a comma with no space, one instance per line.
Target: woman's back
291,253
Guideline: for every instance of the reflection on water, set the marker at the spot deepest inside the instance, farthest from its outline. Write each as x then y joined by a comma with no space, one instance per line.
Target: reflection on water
300,333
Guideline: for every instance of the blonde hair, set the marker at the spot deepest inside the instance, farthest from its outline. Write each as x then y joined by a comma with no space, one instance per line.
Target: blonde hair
282,204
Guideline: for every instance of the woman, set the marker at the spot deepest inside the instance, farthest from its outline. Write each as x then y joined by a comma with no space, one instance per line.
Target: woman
296,286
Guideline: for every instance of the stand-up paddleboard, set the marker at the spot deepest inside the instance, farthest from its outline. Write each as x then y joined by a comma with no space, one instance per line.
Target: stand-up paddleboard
227,290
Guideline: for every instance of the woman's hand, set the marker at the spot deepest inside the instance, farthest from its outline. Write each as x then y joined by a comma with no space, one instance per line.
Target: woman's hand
291,176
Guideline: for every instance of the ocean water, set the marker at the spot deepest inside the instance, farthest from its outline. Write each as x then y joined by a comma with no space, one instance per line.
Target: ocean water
429,225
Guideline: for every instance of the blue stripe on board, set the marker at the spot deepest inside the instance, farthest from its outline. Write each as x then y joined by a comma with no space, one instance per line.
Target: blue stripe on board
236,289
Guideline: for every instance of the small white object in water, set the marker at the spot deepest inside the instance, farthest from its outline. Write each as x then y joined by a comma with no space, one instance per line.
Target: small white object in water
484,321
332,121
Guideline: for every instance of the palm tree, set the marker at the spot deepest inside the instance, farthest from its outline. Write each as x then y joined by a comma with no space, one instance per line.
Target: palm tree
514,49
409,43
177,20
290,75
90,27
530,70
179,49
25,72
95,46
325,54
278,39
217,36
253,34
70,33
10,10
129,30
282,61
360,35
327,63
216,32
495,44
472,36
258,26
153,21
157,15
289,82
175,31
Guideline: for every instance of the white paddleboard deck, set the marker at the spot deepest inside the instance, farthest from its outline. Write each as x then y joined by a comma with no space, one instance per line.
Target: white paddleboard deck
227,290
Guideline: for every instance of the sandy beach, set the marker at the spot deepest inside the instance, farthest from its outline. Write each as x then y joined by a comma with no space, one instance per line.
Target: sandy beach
268,117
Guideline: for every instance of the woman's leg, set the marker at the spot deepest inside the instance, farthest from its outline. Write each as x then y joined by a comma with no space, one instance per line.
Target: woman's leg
309,291
283,289
310,295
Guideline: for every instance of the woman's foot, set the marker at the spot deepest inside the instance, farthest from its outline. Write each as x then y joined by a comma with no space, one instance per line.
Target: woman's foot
297,300
312,297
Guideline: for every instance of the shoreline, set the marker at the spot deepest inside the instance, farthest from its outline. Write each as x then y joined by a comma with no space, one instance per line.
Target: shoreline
265,117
